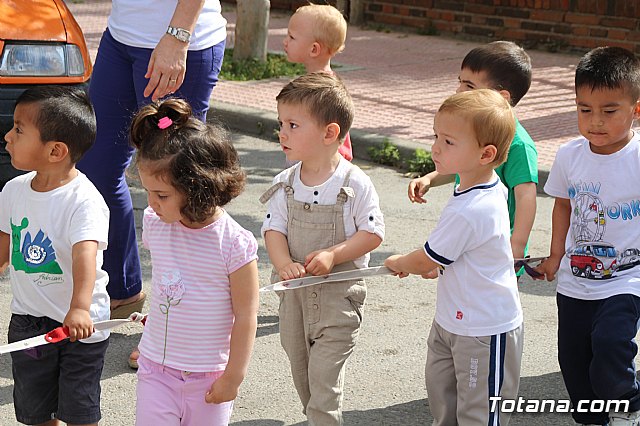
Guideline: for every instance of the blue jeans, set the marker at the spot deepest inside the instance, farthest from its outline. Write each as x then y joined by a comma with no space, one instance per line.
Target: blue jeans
596,351
116,91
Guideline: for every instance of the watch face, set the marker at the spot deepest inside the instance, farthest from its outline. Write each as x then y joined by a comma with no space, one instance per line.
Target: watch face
179,33
183,35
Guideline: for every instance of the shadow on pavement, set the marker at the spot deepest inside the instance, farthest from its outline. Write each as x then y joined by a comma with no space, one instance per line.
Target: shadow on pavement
406,414
267,324
414,413
120,346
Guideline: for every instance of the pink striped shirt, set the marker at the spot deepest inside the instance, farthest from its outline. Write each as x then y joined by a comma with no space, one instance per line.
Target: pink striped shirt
190,315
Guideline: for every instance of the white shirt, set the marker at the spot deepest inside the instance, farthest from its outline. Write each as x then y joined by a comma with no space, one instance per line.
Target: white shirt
361,212
604,192
44,226
477,291
142,23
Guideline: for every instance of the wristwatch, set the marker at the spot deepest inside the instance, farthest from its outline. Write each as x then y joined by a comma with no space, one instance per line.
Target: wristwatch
179,33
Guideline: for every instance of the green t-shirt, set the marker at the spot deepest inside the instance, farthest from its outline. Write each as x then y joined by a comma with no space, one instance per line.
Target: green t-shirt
521,167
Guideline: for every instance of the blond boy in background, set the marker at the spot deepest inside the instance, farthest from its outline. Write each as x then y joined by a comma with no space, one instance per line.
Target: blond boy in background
316,33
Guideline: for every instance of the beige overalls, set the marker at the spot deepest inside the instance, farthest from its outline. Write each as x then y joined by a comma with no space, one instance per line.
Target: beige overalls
318,324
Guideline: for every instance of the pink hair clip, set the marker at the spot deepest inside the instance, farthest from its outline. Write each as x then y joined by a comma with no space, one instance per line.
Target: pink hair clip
164,122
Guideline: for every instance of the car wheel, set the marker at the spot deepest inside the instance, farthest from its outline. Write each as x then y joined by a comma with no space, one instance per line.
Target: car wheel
587,271
575,271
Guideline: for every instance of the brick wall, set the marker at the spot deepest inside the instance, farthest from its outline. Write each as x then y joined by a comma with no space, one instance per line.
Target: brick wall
556,25
552,24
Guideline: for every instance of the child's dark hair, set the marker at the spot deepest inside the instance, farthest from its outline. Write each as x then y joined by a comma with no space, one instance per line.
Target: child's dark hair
324,96
196,158
507,65
610,68
64,114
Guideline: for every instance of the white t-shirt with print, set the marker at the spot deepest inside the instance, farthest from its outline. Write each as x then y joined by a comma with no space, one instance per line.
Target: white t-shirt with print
602,245
43,227
477,288
361,212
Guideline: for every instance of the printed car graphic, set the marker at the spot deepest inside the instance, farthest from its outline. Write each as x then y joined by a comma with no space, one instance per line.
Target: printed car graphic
628,259
593,260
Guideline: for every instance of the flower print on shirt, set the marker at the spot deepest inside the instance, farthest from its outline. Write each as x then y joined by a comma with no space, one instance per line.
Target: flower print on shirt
34,255
171,289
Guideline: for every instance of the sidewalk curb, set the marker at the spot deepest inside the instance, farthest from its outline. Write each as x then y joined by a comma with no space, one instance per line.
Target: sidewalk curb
262,123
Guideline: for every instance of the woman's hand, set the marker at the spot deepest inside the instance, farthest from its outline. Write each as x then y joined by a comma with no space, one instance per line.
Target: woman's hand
167,67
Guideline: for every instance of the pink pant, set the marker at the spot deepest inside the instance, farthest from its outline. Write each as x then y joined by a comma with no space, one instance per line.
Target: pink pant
169,397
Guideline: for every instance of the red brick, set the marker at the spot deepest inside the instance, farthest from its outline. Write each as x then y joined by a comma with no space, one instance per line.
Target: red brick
618,23
547,15
513,34
402,10
617,34
433,14
598,32
580,31
447,16
389,19
413,22
482,9
581,18
512,22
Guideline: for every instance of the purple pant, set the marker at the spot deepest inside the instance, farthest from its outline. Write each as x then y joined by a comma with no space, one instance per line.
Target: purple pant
116,90
170,397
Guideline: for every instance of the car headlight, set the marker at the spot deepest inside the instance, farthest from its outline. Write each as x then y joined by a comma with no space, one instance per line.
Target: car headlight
41,60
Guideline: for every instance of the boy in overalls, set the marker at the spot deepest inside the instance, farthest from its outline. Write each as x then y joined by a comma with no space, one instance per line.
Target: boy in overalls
323,216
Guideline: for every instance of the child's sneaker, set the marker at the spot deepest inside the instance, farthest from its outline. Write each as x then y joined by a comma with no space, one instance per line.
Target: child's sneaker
625,419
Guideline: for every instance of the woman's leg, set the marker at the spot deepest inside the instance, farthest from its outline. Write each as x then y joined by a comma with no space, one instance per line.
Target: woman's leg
203,67
114,99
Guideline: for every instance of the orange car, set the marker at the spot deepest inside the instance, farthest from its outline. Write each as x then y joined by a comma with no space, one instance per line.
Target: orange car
40,43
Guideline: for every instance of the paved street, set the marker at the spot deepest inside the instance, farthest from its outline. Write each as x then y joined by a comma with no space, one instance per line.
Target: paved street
397,81
385,376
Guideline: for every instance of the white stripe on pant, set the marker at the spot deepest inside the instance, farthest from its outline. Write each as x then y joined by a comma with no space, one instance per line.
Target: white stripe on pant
463,372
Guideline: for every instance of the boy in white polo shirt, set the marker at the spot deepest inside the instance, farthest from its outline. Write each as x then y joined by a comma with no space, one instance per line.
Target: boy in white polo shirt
475,343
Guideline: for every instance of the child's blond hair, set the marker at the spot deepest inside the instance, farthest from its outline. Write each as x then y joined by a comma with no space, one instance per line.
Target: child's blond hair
324,96
490,115
329,26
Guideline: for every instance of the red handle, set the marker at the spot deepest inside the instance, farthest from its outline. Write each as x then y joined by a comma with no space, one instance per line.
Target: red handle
57,335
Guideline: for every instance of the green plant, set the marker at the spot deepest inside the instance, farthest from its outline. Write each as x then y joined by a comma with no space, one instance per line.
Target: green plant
428,29
376,26
253,69
385,153
421,162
